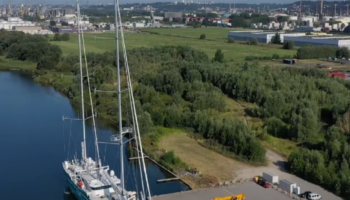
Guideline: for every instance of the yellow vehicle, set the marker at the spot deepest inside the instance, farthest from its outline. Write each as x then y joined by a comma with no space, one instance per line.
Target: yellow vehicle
232,197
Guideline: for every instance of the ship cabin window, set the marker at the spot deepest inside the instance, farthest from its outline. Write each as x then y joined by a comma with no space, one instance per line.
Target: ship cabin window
101,187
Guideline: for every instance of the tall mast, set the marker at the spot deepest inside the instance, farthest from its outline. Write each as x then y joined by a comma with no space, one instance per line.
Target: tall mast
143,171
116,5
81,88
90,97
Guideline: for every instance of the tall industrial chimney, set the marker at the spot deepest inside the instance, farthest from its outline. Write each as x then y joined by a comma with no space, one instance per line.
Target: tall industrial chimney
300,10
321,7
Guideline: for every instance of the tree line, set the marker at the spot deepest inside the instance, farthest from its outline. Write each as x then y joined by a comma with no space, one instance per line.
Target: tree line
35,48
245,19
315,52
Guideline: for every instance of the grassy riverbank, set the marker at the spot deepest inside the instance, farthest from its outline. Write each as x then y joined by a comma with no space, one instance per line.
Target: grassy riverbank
10,64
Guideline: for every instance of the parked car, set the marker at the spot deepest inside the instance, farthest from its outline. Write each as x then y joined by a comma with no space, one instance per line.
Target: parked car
314,196
305,194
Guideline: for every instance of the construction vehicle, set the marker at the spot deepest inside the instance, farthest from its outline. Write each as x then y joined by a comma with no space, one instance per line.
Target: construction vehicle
259,180
232,197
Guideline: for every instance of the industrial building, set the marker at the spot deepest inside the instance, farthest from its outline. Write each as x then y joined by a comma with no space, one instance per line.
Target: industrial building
28,29
69,29
14,21
299,39
329,40
169,15
261,36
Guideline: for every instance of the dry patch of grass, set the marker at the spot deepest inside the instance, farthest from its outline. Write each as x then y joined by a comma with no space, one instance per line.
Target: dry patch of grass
240,110
209,163
283,147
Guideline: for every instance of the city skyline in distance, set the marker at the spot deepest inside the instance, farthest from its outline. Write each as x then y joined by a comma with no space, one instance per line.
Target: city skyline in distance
143,1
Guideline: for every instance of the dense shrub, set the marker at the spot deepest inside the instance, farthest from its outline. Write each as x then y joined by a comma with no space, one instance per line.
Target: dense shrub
57,37
219,56
65,37
253,41
288,44
342,52
315,52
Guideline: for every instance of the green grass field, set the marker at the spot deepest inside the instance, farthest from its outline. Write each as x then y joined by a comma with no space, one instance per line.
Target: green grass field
233,51
9,64
211,33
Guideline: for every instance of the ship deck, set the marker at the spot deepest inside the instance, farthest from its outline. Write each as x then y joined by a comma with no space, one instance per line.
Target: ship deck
252,191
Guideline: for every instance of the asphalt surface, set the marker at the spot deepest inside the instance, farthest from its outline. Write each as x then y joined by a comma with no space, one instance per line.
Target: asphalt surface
252,191
277,167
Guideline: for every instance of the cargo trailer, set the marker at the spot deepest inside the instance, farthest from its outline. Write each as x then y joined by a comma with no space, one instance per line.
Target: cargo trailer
270,178
287,185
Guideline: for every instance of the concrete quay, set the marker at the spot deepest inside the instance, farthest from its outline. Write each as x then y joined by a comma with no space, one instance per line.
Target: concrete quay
252,191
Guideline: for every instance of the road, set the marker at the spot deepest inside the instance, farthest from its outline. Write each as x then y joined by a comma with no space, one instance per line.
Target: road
276,166
252,191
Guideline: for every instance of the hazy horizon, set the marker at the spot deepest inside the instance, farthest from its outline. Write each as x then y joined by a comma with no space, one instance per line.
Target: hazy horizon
143,1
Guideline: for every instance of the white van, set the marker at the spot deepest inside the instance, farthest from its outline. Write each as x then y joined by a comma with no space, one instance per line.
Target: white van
314,196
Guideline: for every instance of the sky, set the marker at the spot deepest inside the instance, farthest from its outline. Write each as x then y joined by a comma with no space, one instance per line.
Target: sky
143,1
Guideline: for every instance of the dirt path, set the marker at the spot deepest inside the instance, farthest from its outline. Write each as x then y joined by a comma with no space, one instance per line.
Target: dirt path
276,164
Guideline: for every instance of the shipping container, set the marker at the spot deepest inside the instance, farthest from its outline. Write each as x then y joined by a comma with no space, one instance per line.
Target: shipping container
270,178
287,185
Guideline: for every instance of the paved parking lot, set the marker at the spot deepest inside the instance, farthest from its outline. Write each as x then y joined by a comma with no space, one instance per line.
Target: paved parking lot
277,167
252,191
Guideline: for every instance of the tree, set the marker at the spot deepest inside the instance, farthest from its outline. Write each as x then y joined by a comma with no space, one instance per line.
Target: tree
288,44
52,23
275,56
230,40
253,41
57,37
145,121
65,37
219,56
46,62
276,39
202,36
342,52
282,18
173,116
276,127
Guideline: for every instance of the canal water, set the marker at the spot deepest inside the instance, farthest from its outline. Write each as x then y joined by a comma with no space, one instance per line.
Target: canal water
34,141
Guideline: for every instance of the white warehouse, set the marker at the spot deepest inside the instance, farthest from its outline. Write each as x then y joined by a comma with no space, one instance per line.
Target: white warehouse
261,36
14,22
329,40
